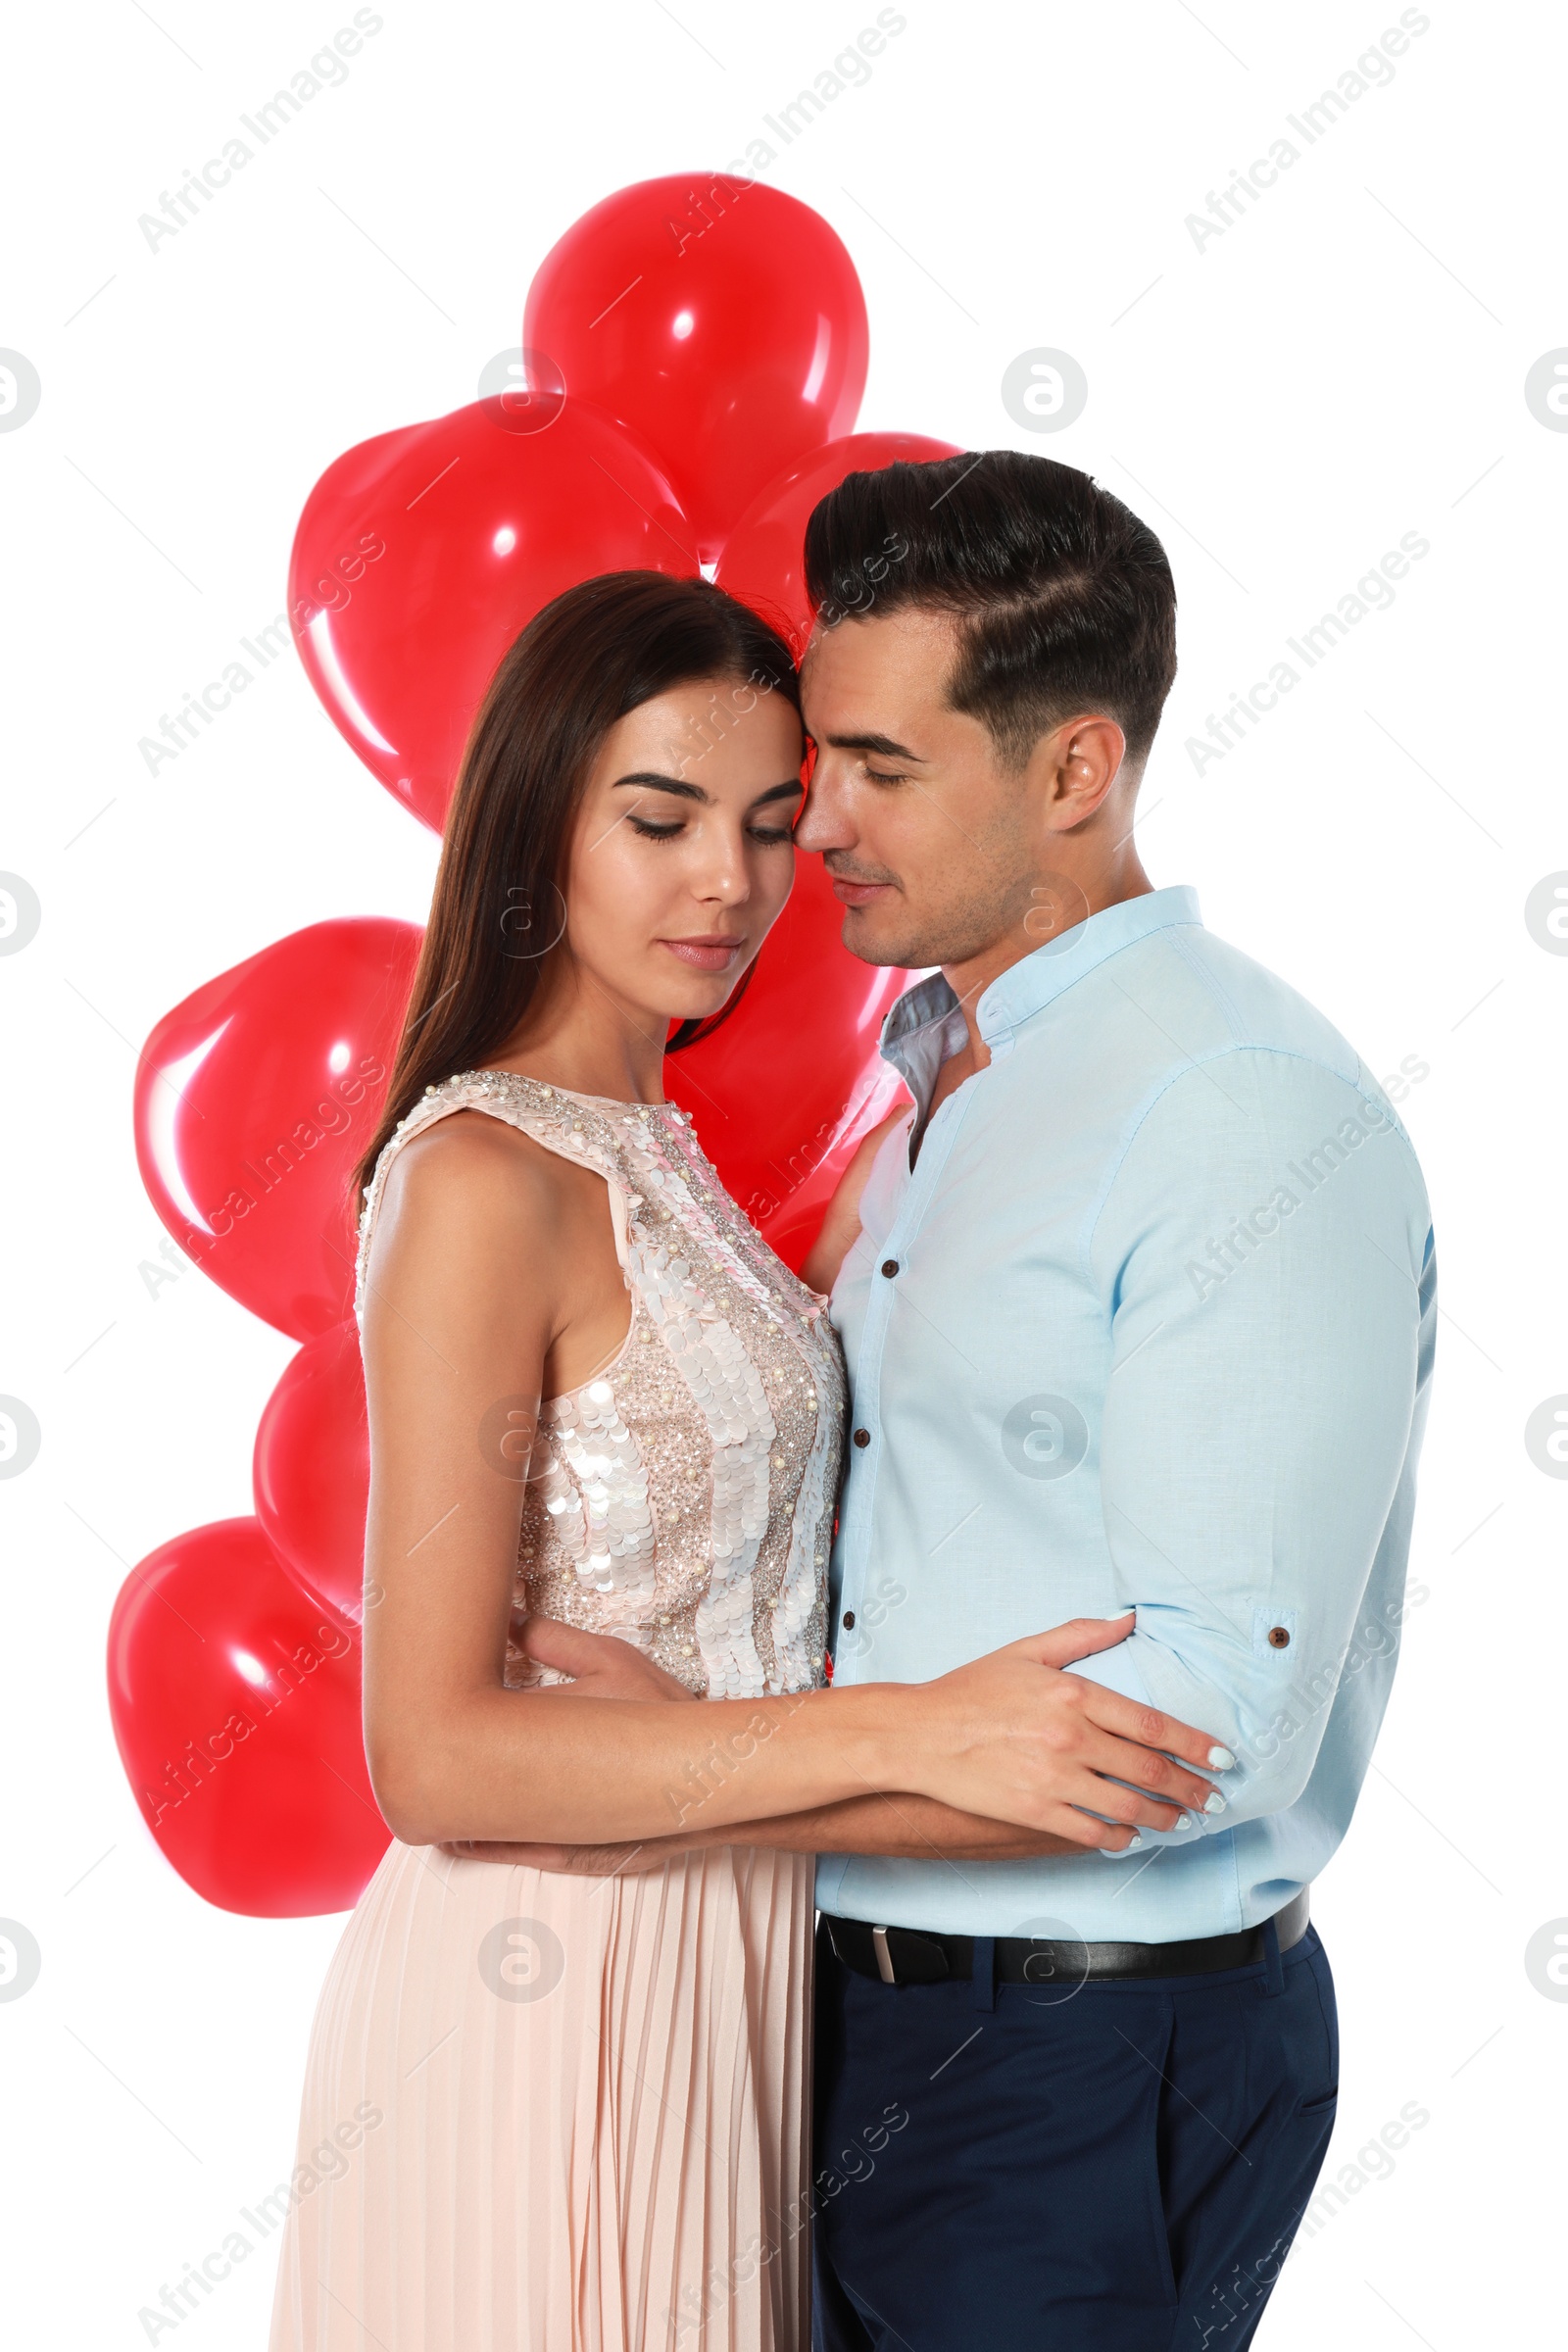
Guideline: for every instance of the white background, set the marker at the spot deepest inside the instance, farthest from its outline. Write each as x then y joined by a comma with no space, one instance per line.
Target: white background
1343,365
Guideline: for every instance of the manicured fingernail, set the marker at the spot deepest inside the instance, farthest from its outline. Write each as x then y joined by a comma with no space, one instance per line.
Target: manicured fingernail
1222,1759
1215,1803
1136,1839
1184,1821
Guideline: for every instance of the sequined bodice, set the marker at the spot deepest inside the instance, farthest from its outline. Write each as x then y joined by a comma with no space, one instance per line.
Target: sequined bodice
683,1499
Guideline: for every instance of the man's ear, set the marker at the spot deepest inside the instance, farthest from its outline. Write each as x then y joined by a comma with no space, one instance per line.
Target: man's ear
1076,765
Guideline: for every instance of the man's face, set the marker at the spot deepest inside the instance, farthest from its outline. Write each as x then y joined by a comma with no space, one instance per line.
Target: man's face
930,841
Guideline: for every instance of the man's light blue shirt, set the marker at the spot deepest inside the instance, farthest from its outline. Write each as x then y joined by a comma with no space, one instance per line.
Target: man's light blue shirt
1149,1324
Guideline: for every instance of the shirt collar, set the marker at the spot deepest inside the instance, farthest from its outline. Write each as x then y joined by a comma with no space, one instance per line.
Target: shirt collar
918,1034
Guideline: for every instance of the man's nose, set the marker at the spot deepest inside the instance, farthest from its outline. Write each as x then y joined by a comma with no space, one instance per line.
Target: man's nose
822,823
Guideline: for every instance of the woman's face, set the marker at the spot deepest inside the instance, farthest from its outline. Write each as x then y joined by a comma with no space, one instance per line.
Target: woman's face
682,856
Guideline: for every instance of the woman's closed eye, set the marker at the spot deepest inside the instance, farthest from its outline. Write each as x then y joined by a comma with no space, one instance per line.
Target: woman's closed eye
767,835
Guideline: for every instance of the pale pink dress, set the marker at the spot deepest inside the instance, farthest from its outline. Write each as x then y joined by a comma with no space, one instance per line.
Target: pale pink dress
569,2114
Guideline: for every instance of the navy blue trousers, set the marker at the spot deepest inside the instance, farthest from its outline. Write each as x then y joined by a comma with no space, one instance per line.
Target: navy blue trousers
1117,2169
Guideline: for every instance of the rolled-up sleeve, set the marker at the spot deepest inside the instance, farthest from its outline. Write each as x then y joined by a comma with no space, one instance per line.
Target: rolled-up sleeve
1264,1251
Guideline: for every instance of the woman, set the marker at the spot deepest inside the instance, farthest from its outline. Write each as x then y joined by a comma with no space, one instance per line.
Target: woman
563,2110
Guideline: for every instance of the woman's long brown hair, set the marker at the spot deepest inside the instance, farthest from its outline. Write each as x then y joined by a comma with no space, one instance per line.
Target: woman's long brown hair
597,652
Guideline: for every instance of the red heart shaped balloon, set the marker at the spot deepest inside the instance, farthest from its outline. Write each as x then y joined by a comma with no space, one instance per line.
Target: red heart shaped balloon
254,1098
235,1702
763,559
781,1092
720,318
421,553
312,1470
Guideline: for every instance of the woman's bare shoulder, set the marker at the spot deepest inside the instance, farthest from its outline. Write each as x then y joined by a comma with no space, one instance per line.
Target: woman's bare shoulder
468,1194
476,1161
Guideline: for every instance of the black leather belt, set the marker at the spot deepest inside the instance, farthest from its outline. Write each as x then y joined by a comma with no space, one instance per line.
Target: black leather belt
907,1956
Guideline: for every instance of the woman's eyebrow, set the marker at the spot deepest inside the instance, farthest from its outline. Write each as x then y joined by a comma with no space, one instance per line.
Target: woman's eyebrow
686,792
647,778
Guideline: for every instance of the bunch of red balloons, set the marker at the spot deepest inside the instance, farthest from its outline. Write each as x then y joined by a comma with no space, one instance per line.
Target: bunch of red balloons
692,359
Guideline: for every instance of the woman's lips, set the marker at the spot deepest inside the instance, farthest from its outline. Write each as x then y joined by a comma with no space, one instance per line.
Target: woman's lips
705,954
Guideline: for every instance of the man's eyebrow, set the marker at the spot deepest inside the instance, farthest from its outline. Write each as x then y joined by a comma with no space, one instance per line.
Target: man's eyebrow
658,783
883,745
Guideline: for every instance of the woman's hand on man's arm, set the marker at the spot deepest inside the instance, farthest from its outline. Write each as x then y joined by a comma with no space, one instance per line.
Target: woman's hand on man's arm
897,1823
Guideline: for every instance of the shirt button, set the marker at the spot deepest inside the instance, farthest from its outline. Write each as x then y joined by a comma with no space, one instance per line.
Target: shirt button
890,1267
1278,1638
863,1437
848,1621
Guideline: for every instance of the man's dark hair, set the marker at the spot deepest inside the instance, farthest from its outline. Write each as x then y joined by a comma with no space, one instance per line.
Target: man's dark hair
1063,599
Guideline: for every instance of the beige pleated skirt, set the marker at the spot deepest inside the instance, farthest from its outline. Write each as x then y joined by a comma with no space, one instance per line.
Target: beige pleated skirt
551,2114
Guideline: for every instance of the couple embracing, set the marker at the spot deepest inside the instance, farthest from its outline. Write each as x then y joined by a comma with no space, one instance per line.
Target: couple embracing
1010,1557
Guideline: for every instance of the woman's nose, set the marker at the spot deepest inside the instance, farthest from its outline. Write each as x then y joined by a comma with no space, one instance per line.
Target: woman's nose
723,872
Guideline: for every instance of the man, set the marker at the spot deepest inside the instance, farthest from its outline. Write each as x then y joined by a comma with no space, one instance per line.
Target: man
1138,1314
1138,1304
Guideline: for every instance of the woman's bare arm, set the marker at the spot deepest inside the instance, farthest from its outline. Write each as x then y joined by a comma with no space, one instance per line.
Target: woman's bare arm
841,1223
493,1267
913,1828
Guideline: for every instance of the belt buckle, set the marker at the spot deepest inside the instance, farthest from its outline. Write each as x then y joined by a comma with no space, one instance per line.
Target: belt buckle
884,1958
